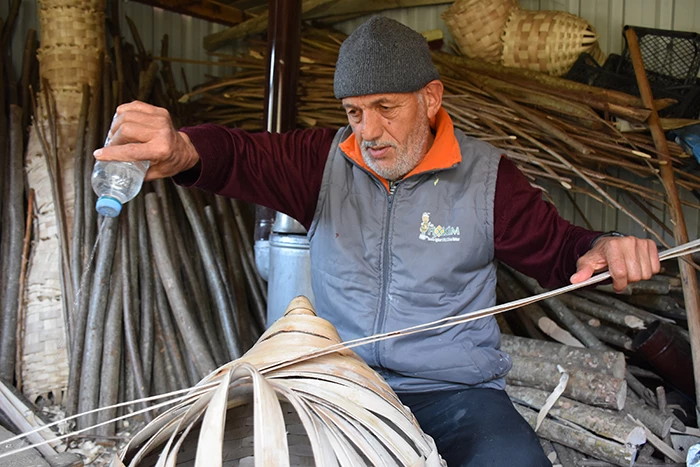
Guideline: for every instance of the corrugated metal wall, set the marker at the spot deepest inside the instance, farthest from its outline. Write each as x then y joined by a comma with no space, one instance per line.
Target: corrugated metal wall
607,16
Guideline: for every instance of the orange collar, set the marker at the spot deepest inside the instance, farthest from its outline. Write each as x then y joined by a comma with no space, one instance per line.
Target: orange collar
443,153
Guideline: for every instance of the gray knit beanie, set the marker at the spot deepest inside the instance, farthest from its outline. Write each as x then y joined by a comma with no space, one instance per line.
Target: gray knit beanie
383,56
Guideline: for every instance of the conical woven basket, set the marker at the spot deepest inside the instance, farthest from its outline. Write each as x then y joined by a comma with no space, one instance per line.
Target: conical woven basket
326,411
477,25
546,41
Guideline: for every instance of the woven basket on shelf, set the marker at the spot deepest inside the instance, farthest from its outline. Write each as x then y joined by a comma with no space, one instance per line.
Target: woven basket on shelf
476,26
546,41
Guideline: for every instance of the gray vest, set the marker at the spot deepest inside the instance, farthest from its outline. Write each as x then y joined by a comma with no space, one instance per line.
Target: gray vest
382,262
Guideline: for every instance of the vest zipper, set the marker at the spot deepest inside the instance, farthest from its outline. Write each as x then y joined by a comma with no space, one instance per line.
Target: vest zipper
381,317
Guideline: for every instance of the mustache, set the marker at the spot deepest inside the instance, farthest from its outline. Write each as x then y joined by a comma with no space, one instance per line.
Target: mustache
374,144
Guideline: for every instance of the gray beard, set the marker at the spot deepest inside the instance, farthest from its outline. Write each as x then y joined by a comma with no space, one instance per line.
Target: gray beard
407,157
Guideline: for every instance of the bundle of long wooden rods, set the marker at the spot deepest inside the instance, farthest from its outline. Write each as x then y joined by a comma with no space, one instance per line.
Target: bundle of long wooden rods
162,294
17,204
171,292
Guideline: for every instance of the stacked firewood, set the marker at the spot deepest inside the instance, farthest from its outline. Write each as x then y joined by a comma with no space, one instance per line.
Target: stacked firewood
588,415
601,345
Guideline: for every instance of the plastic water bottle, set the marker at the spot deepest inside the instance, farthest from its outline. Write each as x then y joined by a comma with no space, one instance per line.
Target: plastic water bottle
693,457
115,183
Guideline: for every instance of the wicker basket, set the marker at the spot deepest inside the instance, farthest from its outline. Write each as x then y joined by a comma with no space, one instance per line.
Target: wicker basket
597,53
546,41
72,37
331,409
477,25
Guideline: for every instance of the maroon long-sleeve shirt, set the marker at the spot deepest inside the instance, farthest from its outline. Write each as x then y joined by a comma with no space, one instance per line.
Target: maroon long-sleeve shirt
284,172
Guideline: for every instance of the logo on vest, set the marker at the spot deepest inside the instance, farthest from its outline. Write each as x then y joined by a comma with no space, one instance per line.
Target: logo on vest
437,233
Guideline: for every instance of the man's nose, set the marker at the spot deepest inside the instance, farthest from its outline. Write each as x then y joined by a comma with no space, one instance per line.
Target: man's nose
371,126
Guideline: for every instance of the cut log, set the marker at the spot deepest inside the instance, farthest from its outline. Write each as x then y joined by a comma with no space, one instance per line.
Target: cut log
602,312
659,304
642,287
607,300
562,313
611,336
28,457
603,361
568,456
594,446
592,388
603,422
587,319
658,422
512,290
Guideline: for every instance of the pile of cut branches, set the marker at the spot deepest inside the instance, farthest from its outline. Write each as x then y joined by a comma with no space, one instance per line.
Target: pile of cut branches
551,127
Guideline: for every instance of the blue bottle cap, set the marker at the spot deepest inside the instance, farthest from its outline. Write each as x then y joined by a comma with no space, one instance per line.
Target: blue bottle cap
108,206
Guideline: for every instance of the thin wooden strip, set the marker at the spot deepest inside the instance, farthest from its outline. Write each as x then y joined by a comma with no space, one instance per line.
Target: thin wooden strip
320,445
357,437
329,394
270,435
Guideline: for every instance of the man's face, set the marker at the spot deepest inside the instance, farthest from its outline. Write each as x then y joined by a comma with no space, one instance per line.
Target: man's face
393,131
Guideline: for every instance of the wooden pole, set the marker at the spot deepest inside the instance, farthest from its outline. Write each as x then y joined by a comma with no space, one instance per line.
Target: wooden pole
22,278
680,232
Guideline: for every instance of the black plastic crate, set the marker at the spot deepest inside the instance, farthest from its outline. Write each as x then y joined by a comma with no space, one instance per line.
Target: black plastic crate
586,70
671,58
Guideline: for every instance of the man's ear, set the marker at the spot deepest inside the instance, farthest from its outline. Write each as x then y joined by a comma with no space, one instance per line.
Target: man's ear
433,97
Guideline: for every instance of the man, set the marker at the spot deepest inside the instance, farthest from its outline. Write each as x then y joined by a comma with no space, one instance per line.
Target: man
406,218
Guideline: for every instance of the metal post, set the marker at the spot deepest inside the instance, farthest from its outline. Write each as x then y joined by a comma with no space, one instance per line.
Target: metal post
288,274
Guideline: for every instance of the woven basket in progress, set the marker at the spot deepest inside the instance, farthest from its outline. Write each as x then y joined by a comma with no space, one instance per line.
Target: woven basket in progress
327,411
